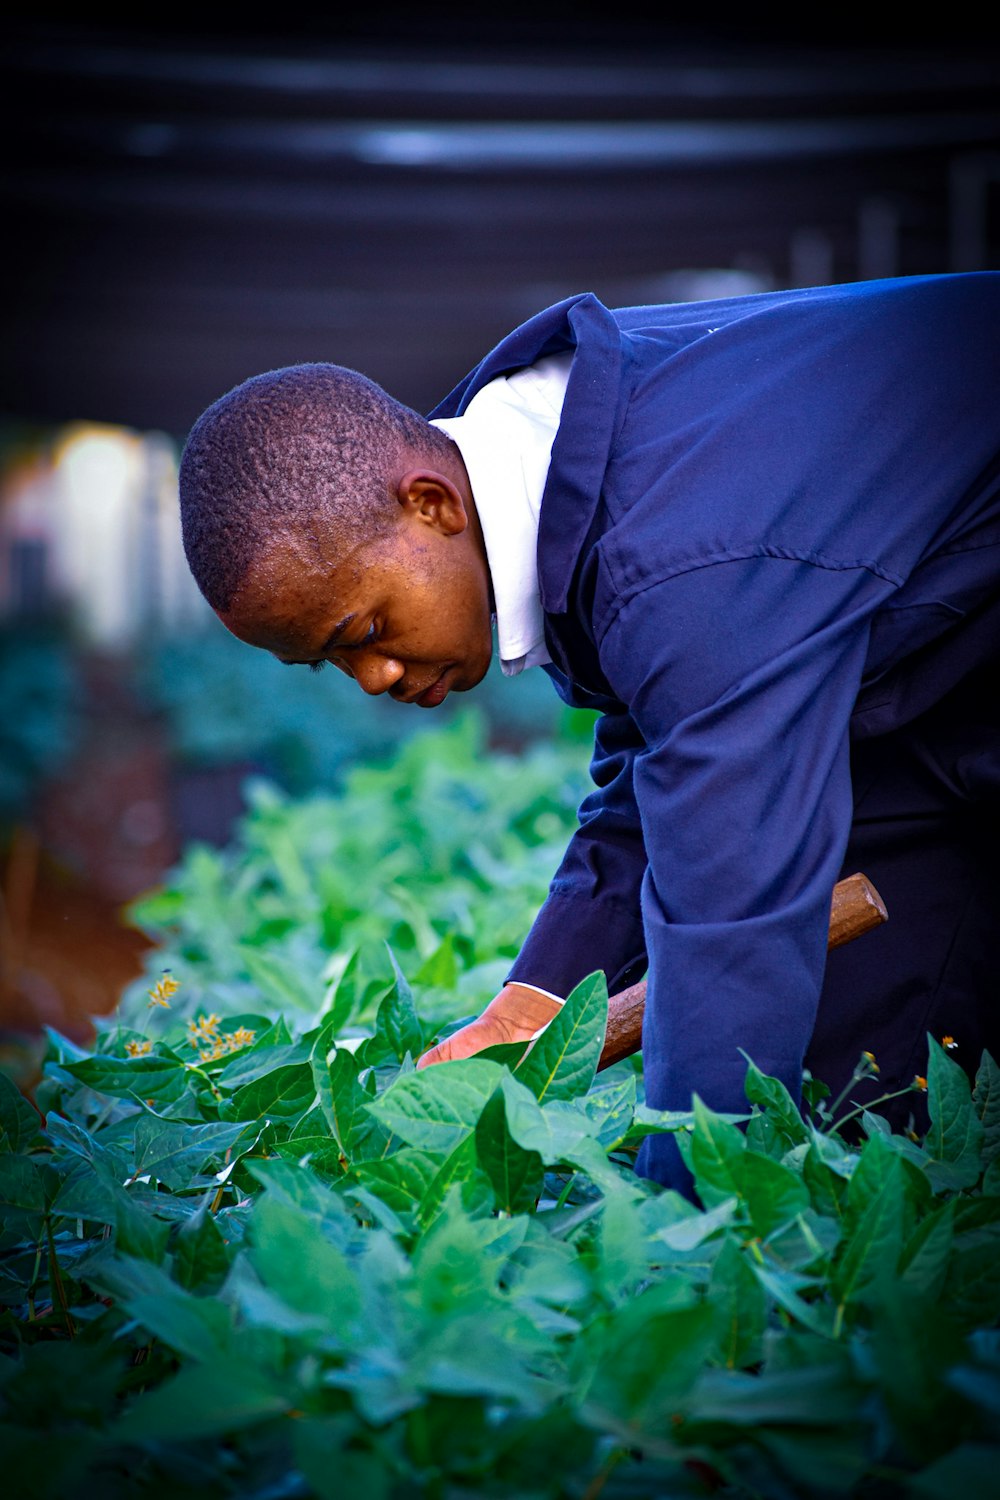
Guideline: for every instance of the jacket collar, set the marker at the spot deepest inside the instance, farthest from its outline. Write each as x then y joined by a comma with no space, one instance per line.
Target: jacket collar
581,447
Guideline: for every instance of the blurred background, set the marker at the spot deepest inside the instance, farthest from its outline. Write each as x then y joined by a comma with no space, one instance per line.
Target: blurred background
187,205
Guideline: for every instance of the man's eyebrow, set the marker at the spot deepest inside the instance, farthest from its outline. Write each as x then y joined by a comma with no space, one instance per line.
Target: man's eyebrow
338,631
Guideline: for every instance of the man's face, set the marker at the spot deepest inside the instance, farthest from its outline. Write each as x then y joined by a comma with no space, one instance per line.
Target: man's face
408,615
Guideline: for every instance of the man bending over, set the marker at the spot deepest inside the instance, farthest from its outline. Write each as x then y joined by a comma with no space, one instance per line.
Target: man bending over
761,536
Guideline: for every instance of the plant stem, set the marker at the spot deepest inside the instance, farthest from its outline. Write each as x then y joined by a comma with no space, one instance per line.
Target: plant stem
55,1277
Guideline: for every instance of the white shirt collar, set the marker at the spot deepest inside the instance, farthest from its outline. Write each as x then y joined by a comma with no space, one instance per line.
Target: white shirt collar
505,438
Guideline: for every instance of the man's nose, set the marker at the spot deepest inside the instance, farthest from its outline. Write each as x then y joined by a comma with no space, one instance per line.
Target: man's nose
377,674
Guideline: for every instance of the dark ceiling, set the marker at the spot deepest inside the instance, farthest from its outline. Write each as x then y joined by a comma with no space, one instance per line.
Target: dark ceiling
187,207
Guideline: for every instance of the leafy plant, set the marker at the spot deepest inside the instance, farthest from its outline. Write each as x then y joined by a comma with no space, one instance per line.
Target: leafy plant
248,1259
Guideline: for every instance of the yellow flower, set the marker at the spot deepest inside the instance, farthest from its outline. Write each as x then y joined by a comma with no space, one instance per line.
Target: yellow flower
138,1049
869,1058
949,1043
166,986
204,1029
241,1037
920,1083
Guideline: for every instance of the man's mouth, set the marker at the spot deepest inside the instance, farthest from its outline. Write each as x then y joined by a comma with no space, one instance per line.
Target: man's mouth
434,695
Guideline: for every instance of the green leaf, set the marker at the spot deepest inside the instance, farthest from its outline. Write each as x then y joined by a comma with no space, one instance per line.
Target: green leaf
398,1032
924,1261
563,1061
986,1102
282,1094
21,1184
770,1094
149,1077
206,1401
345,1107
784,1287
460,1167
870,1254
137,1232
774,1194
201,1258
717,1156
402,1179
173,1153
970,1469
301,1265
20,1125
440,970
438,1107
740,1305
642,1362
257,1061
333,1470
956,1133
516,1174
278,983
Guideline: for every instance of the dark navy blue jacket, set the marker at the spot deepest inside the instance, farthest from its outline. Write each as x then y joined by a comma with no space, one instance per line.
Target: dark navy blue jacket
771,523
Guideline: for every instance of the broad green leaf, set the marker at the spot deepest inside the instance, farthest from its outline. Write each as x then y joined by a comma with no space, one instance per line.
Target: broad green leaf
137,1232
770,1094
438,1107
741,1306
401,1179
717,1156
440,970
970,1469
397,1024
972,1286
642,1362
278,983
196,1327
826,1188
201,1258
87,1192
282,1094
22,1185
821,1395
924,1261
460,1167
206,1401
870,1254
173,1153
257,1061
986,1102
563,1061
774,1194
785,1286
20,1124
150,1077
956,1133
303,1266
560,1133
516,1174
333,1470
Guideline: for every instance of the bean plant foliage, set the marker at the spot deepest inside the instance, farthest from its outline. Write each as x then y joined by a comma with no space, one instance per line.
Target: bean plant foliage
259,1253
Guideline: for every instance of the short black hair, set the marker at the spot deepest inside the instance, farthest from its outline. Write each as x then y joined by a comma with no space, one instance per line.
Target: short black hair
280,451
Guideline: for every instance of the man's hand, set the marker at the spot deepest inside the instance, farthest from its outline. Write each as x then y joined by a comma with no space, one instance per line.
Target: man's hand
513,1016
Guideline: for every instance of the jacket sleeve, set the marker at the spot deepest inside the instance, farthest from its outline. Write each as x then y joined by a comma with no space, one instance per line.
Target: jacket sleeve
741,677
591,919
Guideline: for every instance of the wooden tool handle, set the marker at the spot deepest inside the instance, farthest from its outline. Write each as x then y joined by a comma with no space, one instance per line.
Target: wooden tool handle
856,908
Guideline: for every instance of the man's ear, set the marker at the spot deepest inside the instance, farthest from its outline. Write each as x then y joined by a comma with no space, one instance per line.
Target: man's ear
431,498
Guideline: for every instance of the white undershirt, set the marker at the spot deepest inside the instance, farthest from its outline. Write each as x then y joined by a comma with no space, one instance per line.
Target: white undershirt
505,437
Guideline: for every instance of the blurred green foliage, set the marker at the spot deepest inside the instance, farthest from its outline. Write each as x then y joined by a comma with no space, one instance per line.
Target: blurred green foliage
40,722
